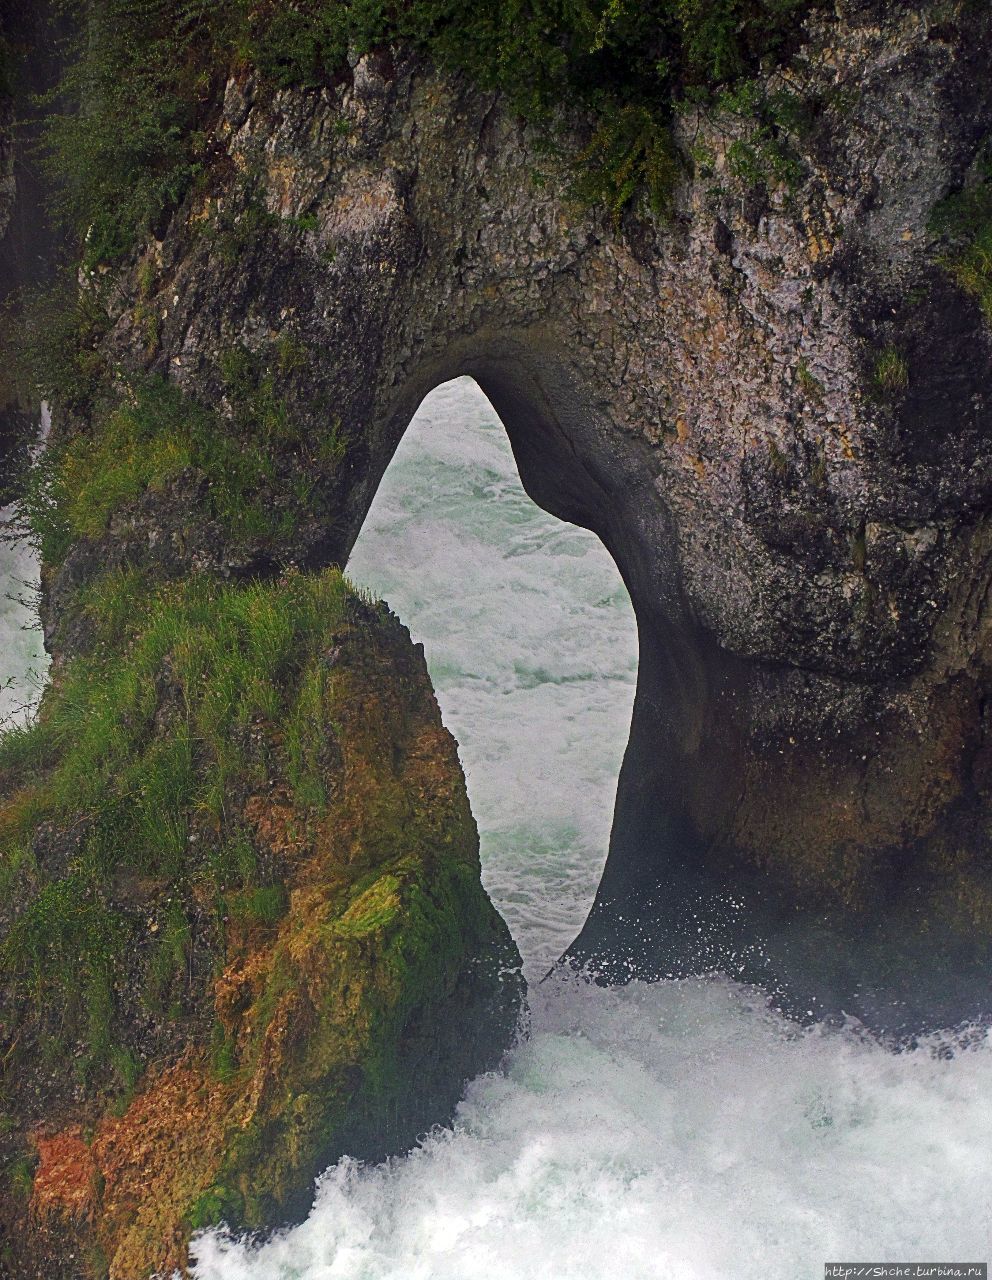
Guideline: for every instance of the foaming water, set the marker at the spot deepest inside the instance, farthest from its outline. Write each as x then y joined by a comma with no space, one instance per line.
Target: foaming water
679,1131
676,1131
23,661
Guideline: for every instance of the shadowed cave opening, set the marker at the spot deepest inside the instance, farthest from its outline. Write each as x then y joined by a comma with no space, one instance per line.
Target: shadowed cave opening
531,643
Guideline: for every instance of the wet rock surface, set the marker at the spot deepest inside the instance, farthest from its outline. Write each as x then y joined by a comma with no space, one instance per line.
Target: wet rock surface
802,526
774,409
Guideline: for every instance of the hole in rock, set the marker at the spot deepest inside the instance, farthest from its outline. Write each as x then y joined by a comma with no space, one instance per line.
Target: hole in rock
532,647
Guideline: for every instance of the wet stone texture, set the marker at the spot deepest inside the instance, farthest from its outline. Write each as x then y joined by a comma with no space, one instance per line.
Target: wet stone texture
773,406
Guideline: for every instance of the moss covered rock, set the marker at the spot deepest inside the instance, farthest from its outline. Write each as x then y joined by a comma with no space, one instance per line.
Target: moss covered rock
244,930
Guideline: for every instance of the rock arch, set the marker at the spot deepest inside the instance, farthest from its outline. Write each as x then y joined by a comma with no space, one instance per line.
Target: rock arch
809,575
773,407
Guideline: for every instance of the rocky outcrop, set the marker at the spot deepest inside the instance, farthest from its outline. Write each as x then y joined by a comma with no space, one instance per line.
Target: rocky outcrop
245,933
773,408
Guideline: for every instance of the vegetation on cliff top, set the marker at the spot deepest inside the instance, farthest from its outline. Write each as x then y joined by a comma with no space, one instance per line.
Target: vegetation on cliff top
130,131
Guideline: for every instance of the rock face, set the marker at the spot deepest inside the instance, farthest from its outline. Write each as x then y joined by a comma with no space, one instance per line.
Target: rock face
773,408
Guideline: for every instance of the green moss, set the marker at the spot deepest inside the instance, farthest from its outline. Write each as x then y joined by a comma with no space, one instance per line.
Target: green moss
132,781
964,220
388,961
372,909
215,1205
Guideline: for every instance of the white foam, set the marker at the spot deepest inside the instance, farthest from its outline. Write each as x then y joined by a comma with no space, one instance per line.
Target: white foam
675,1131
23,661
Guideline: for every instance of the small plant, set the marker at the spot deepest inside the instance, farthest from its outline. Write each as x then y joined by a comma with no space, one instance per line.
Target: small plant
762,155
891,373
807,380
20,1176
305,222
964,220
627,153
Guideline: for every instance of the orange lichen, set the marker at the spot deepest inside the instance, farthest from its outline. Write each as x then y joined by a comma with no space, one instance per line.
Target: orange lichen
276,823
65,1184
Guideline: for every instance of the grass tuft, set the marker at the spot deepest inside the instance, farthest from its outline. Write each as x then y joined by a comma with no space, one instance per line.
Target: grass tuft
139,764
891,372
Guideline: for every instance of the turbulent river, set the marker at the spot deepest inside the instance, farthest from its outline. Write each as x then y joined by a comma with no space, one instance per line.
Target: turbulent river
678,1131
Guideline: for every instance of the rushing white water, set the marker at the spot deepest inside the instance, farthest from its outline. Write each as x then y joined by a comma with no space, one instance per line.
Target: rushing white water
23,661
672,1132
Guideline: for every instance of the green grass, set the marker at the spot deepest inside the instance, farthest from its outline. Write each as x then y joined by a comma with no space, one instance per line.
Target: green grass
152,433
262,904
129,133
891,372
141,749
19,1175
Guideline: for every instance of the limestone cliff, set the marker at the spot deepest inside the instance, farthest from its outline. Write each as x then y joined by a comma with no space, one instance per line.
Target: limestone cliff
773,406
